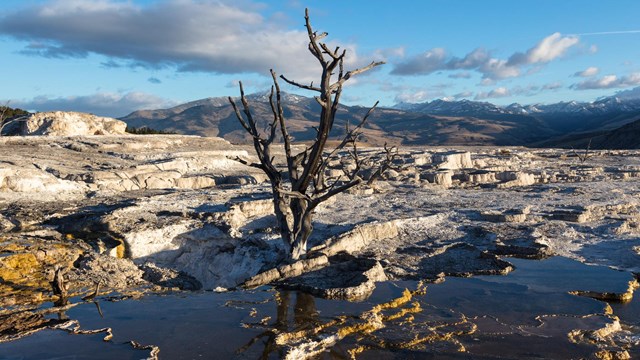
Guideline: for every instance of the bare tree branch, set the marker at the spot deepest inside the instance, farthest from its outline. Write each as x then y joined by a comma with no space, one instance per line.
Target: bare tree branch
247,112
335,191
301,86
279,112
313,39
320,101
351,135
294,194
352,73
391,153
245,162
331,53
585,156
237,111
273,126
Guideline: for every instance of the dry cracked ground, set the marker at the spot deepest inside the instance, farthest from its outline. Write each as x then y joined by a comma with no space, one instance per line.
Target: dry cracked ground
121,216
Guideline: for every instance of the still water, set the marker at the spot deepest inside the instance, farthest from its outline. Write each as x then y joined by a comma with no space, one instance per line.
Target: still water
526,314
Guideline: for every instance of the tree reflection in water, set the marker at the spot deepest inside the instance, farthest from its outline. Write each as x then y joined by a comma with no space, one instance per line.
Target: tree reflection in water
305,317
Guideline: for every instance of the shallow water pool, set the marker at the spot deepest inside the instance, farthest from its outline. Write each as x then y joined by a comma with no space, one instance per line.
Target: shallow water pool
526,314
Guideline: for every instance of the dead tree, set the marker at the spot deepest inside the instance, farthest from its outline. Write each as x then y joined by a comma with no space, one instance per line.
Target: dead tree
8,116
3,121
299,189
584,156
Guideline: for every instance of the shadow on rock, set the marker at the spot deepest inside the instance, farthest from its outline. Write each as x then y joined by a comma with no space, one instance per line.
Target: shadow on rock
347,278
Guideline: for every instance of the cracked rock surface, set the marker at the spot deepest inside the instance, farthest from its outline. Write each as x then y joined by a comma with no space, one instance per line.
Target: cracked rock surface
177,212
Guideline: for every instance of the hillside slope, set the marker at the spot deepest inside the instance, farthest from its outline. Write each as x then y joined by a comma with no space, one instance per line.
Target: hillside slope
215,117
624,137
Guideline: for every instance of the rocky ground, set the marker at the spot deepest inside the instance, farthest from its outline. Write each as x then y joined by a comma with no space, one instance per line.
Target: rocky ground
130,214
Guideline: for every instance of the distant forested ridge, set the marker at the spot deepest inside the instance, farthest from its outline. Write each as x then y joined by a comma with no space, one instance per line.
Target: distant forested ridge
10,113
144,130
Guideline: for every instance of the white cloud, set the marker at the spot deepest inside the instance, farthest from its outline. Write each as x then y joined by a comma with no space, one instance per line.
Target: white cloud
609,82
551,47
588,72
631,80
103,103
463,95
487,82
426,63
251,85
552,86
528,90
495,93
461,75
228,37
606,81
501,91
390,53
417,96
499,69
629,94
548,49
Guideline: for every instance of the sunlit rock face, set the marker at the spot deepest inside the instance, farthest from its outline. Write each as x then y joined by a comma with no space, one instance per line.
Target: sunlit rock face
61,123
34,180
453,160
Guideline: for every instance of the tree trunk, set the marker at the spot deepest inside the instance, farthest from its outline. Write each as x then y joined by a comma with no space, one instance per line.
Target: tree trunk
302,231
294,221
281,209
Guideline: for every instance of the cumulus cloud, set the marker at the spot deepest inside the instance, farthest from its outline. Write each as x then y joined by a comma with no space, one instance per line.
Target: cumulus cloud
548,49
103,103
529,90
480,60
390,53
191,35
417,96
588,72
154,80
431,61
460,75
110,64
438,59
552,86
609,82
495,93
487,82
629,94
499,69
462,95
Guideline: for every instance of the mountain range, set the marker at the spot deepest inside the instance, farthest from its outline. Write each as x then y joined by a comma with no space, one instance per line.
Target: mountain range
439,122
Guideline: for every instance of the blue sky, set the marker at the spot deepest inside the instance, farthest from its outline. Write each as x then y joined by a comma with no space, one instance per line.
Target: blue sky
111,57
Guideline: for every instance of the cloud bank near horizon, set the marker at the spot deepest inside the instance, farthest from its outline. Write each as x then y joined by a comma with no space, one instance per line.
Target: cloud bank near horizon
101,103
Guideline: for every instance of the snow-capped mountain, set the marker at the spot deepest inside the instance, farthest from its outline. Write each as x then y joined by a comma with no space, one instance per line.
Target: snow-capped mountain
565,116
468,107
285,96
448,107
